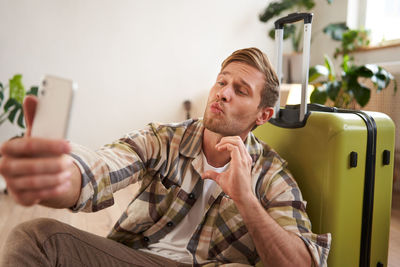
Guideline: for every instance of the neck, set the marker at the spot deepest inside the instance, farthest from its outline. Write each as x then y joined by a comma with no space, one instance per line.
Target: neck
214,157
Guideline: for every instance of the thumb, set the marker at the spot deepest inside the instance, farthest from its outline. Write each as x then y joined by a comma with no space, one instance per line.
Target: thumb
30,103
210,175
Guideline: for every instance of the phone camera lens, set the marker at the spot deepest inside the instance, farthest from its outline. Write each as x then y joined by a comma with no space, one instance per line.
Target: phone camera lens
43,92
44,82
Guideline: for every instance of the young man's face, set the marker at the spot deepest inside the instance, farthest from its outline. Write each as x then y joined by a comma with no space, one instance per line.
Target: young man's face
232,106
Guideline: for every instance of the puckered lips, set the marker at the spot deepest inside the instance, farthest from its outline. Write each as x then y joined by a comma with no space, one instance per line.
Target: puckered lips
216,108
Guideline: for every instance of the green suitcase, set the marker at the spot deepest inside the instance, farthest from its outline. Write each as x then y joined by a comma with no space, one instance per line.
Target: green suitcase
347,184
343,163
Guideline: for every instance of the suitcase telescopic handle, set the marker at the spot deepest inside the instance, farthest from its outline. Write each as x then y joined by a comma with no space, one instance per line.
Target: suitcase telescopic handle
292,18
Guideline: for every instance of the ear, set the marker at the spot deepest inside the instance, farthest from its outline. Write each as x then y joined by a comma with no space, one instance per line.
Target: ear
264,115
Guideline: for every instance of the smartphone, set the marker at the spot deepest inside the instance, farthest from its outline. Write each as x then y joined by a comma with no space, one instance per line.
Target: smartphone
54,108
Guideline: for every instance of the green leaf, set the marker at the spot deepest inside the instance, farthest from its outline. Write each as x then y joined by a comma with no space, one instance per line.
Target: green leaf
319,95
10,102
316,72
17,90
331,69
372,67
13,113
33,91
336,30
332,89
21,121
275,9
362,94
379,82
308,4
1,94
366,71
345,64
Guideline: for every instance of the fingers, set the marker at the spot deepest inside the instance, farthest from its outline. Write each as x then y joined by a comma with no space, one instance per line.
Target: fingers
38,182
30,103
235,145
32,166
211,175
36,169
34,147
32,197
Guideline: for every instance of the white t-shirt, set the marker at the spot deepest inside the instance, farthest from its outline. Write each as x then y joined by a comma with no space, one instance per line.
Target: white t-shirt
173,245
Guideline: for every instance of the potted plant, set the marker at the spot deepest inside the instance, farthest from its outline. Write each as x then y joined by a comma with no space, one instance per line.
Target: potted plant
11,106
349,89
291,61
351,39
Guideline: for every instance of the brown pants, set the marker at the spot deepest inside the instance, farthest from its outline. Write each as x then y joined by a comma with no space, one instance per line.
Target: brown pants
47,242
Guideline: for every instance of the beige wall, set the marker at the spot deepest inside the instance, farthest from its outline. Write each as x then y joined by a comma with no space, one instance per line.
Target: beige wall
135,61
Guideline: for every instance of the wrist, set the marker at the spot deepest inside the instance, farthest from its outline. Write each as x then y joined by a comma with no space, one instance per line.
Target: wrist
246,200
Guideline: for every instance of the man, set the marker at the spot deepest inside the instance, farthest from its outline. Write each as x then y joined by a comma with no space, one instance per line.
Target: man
209,191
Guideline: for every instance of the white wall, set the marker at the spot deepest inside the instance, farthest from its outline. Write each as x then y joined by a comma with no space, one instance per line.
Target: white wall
135,61
324,14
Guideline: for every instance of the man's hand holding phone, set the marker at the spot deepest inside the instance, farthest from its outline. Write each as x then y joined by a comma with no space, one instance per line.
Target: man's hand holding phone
37,169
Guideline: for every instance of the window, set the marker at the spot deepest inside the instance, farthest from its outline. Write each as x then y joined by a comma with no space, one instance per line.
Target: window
381,17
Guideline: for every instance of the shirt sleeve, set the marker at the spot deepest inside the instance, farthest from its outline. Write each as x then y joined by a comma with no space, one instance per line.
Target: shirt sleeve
283,201
114,167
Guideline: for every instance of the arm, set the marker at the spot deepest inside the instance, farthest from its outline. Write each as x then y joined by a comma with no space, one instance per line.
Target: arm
39,171
274,244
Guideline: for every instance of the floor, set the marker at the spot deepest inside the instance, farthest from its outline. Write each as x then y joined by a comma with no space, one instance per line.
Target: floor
100,222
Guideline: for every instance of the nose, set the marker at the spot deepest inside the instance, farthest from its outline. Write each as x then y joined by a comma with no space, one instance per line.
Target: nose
224,94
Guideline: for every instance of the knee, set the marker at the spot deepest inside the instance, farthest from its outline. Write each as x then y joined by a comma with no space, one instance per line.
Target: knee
38,229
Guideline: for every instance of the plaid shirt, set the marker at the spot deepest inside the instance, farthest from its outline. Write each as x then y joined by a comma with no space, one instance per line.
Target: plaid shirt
166,161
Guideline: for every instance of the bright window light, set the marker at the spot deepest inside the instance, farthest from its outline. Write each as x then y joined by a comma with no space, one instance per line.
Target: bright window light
291,93
383,19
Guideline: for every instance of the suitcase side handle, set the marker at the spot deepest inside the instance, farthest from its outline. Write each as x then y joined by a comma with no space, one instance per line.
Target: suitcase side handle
291,18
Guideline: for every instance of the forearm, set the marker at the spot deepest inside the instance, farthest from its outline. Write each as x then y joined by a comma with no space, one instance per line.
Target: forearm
70,197
275,245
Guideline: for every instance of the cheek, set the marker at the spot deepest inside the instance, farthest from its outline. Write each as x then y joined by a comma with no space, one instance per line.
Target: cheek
246,110
212,94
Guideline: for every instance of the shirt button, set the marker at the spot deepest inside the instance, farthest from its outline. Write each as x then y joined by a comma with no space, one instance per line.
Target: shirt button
146,239
169,224
191,196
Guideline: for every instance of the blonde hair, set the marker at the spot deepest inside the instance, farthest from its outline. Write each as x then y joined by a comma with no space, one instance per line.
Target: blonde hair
255,58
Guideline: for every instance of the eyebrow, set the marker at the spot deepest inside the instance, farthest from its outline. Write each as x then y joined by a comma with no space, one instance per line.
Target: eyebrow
241,80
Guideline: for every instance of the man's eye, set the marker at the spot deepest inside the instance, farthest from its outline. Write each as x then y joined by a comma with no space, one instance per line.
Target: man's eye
221,83
241,92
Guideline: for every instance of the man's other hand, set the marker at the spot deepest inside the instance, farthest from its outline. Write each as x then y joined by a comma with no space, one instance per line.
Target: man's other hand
236,180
